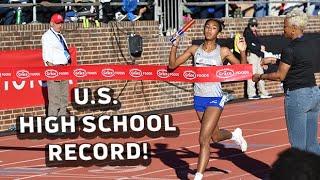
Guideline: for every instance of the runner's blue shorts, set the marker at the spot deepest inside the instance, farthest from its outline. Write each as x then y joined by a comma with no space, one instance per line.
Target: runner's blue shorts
201,103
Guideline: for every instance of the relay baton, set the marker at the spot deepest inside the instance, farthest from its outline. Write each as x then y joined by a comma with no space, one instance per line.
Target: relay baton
182,30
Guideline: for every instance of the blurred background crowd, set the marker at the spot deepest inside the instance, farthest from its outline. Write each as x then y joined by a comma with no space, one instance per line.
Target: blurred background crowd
45,9
112,9
171,14
258,8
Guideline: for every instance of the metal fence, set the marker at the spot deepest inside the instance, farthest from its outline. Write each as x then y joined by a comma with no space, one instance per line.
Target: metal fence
64,3
227,3
169,13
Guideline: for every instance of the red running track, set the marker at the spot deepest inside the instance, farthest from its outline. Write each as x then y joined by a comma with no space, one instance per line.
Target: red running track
262,122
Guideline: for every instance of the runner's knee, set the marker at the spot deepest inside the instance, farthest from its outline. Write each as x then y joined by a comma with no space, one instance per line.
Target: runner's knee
204,140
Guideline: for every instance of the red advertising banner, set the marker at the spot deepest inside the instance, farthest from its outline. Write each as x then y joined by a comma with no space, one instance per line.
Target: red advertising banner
129,72
23,75
17,93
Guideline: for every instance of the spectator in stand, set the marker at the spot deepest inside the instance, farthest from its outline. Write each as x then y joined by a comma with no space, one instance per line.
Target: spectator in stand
148,14
316,8
143,13
274,8
187,14
246,9
219,10
44,12
7,14
287,7
85,9
204,12
254,55
260,9
26,16
195,10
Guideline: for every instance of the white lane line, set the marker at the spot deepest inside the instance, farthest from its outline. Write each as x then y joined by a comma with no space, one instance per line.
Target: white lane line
189,147
234,155
79,139
227,106
75,168
185,134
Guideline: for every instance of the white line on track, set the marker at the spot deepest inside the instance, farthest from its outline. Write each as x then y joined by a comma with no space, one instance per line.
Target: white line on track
28,177
225,127
234,155
258,171
241,154
192,110
19,162
227,106
232,115
189,147
157,138
9,138
223,116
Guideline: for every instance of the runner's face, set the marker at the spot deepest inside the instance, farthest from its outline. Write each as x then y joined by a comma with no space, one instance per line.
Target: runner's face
211,30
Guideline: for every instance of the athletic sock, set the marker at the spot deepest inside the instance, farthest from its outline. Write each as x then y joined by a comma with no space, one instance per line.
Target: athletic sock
233,137
198,176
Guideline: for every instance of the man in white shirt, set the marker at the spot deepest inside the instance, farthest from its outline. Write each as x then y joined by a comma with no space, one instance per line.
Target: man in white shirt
55,53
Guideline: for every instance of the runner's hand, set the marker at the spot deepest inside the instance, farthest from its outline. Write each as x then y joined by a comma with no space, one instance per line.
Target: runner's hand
177,41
